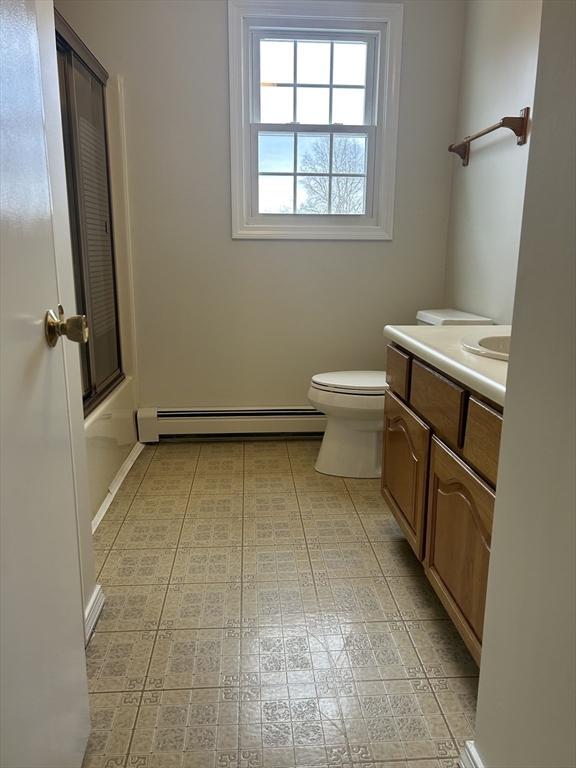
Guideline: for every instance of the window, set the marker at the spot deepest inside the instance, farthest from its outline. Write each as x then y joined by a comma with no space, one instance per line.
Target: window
314,104
82,83
318,83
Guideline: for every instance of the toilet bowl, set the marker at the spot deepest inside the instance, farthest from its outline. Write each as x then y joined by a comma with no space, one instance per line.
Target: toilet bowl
353,402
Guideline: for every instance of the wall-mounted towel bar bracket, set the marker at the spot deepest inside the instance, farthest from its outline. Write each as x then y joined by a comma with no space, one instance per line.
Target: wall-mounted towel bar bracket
519,125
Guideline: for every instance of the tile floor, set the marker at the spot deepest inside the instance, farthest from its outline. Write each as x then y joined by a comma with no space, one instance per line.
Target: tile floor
261,615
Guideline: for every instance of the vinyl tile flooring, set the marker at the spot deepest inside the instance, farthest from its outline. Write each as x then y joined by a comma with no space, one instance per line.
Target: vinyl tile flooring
261,615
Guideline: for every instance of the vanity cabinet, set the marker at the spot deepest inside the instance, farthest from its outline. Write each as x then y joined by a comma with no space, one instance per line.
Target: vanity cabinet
459,527
405,469
440,457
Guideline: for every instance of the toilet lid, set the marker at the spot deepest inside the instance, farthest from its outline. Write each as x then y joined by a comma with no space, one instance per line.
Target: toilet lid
357,382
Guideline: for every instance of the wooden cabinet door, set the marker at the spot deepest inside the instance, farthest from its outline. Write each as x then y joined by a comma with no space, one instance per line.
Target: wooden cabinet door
404,469
459,528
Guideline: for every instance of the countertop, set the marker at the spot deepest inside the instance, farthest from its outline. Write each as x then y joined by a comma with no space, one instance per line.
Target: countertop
440,346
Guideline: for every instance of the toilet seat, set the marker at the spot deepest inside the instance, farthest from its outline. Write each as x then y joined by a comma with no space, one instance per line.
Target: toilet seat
351,382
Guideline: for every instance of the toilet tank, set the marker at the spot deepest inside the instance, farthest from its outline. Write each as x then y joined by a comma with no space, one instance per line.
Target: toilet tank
450,317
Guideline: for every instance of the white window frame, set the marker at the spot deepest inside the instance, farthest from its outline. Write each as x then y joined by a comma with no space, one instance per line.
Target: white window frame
379,24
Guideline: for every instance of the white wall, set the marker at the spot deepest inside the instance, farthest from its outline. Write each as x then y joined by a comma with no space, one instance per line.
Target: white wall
231,323
527,702
498,75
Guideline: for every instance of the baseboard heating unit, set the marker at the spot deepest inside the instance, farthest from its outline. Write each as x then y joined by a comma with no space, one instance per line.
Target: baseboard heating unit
155,423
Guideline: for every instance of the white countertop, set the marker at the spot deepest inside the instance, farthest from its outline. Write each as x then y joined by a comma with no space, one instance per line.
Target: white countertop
441,347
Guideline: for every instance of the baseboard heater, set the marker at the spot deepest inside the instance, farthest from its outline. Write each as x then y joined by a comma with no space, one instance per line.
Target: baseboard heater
155,423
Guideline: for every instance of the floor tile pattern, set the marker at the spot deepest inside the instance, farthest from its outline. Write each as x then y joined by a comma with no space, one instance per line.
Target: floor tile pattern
261,615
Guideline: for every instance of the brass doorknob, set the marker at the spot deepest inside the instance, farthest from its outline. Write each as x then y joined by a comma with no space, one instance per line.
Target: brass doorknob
74,328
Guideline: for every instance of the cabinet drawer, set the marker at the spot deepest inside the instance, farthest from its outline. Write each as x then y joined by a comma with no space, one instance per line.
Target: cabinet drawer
439,401
405,469
482,438
458,536
398,371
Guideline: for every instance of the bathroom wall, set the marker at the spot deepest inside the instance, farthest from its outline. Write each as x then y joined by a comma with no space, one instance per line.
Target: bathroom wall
526,703
110,429
237,323
498,76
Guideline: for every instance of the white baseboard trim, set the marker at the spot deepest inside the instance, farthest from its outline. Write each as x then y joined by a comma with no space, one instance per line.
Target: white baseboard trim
93,610
97,519
125,468
469,757
116,483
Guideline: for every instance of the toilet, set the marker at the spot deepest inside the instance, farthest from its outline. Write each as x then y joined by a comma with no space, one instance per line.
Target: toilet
353,402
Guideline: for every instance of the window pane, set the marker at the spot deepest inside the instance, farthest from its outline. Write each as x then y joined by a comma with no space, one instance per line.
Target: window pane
312,105
276,61
276,104
349,154
313,152
348,106
276,152
313,62
312,194
275,194
348,194
349,64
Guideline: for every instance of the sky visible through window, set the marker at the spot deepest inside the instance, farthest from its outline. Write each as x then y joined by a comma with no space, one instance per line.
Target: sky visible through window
272,154
308,82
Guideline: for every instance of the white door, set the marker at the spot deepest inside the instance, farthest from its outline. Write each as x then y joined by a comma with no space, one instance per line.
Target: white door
44,718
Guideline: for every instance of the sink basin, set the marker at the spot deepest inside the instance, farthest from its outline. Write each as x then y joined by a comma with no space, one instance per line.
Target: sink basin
496,347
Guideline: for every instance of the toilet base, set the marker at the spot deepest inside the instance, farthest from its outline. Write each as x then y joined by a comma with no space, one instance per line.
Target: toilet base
351,449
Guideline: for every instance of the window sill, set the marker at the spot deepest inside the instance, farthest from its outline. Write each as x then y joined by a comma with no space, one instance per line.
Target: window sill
359,232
